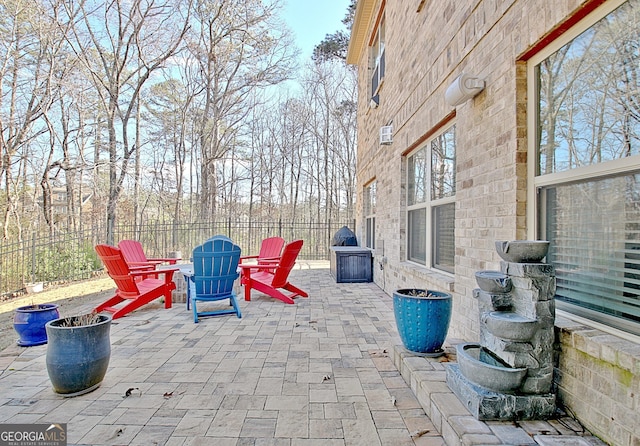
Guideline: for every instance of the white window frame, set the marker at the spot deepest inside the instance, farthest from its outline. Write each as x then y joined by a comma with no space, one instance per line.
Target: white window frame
378,64
370,194
608,168
428,204
591,172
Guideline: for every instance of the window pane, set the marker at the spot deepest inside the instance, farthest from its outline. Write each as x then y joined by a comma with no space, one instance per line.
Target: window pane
589,99
371,233
417,178
374,82
418,235
367,200
377,57
594,233
369,212
444,237
375,48
443,165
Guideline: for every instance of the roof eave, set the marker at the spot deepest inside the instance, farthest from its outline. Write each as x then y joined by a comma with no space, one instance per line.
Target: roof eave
359,30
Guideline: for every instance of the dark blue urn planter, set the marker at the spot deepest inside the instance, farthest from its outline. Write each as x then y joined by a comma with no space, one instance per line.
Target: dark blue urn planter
78,353
29,322
422,318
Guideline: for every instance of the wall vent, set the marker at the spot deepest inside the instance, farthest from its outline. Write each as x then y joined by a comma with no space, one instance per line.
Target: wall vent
386,134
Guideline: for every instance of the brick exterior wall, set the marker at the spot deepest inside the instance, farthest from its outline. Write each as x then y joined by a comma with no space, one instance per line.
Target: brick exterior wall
598,379
425,51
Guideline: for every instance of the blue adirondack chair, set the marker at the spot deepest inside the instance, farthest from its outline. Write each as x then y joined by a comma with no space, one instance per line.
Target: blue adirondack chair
215,268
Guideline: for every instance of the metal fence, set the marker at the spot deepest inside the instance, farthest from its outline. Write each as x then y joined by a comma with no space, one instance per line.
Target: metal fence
71,256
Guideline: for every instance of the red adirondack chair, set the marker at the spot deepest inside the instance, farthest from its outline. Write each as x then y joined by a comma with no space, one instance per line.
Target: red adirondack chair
135,293
271,282
134,255
269,254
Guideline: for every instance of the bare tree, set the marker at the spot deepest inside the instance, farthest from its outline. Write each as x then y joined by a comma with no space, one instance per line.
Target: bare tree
157,129
239,49
169,104
121,43
28,52
330,89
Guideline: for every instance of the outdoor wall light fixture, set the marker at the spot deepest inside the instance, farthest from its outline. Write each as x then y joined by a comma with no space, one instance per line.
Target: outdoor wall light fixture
463,88
374,102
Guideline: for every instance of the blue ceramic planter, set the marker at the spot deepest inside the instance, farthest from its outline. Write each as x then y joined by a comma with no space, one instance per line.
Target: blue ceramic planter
78,357
422,321
29,322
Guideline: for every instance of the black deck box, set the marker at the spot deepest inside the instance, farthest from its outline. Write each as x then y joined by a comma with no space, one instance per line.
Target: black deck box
351,264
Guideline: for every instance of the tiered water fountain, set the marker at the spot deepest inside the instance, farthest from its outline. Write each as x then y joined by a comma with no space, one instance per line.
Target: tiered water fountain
509,374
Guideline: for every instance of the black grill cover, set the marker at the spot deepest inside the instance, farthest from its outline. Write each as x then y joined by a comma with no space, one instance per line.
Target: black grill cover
344,237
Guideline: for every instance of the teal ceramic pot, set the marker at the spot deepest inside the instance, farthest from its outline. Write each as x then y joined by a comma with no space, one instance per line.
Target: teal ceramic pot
422,318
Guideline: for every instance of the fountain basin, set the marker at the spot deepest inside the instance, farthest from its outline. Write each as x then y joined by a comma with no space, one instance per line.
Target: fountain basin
509,325
484,368
522,251
499,301
494,282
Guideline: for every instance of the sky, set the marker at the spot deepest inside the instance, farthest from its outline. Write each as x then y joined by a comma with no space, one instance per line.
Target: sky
311,21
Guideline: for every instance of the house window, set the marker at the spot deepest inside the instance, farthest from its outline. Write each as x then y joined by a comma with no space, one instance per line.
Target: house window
587,178
377,57
370,214
431,202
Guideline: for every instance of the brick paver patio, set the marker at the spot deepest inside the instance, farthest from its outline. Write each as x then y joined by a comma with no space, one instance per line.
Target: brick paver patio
321,372
316,373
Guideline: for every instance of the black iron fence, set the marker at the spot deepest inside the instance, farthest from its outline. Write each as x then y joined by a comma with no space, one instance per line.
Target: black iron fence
71,256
